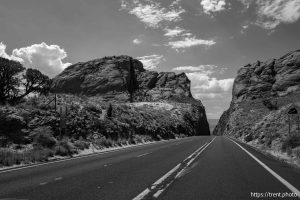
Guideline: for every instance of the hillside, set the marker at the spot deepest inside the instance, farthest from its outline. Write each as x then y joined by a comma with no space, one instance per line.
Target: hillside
99,111
263,93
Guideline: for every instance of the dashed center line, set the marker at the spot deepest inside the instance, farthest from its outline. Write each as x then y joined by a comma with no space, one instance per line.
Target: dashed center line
143,154
58,178
43,183
159,186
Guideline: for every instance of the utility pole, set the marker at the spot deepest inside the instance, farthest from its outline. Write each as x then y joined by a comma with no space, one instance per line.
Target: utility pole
55,101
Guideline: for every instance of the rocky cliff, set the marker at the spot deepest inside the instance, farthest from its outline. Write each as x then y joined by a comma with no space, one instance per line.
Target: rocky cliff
262,94
108,78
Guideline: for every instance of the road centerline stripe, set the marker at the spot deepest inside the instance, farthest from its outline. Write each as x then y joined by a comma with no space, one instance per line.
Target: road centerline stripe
277,176
144,154
159,186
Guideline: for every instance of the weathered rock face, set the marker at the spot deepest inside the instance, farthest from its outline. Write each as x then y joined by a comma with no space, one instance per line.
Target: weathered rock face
109,76
262,94
274,77
108,79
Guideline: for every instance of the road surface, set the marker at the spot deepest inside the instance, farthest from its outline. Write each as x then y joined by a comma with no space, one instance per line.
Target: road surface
191,168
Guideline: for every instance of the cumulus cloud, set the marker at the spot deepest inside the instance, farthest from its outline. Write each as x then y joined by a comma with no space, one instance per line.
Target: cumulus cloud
137,41
206,84
151,61
212,6
46,58
273,12
205,69
190,42
151,13
154,15
173,32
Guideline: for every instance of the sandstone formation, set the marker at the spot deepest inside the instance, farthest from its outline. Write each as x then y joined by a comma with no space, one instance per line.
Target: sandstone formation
108,77
262,94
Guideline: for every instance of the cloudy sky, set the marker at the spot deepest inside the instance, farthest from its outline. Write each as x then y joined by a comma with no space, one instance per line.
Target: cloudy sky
208,39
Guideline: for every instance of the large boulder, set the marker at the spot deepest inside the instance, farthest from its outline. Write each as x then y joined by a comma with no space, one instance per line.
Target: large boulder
109,76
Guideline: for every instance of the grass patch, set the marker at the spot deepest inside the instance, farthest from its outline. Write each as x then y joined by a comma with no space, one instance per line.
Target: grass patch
10,157
291,142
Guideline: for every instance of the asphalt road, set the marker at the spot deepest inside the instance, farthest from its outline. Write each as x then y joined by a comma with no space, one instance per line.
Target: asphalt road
189,168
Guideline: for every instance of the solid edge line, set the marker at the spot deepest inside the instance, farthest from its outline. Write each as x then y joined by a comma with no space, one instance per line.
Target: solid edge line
165,176
278,177
85,156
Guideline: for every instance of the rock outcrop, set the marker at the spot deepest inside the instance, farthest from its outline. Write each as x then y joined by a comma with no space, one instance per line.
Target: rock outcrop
262,94
274,77
108,77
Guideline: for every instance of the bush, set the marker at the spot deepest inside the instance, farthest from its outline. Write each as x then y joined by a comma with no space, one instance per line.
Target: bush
296,152
44,136
64,148
104,142
248,138
80,144
11,126
291,141
93,108
271,105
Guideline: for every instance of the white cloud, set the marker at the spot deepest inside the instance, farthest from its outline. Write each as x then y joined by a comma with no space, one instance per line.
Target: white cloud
205,69
190,42
151,61
273,12
173,32
154,15
212,6
3,53
151,13
46,58
205,83
203,86
137,41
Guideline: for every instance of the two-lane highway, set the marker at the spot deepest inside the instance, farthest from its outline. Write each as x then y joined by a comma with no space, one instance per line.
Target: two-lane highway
189,168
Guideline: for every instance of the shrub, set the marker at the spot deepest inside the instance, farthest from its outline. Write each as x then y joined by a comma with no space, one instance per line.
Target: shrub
44,136
104,142
292,141
37,155
11,126
109,111
248,138
80,144
296,152
93,108
271,105
64,148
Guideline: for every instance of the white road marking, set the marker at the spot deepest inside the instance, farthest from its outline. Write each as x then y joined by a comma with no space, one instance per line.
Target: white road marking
278,177
192,160
43,183
58,178
143,194
89,155
143,154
